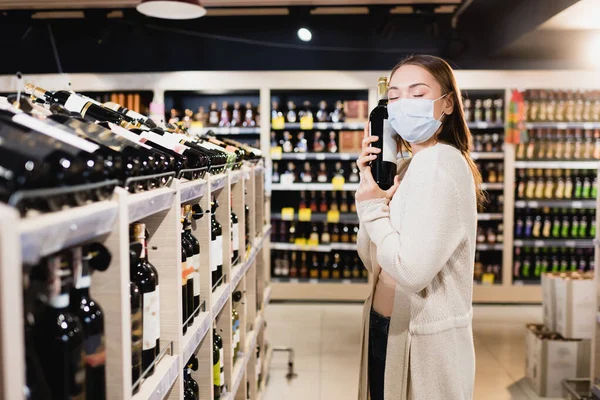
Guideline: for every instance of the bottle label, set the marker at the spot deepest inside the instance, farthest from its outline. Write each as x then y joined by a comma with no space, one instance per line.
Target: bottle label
153,137
216,374
77,391
236,236
157,311
124,133
75,103
149,320
196,277
222,369
55,131
219,253
136,340
95,351
390,148
214,251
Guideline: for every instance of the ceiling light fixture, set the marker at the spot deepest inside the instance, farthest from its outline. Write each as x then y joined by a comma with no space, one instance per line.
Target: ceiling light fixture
172,9
304,34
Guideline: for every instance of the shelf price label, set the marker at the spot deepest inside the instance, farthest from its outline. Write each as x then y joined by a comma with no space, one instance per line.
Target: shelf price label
304,214
333,216
287,214
306,122
276,153
338,182
278,123
487,279
322,125
300,242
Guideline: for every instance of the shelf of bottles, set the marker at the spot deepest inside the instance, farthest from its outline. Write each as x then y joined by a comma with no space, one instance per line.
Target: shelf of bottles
134,246
228,114
315,141
484,113
556,184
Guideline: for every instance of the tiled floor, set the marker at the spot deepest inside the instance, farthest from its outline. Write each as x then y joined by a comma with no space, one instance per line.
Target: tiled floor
326,337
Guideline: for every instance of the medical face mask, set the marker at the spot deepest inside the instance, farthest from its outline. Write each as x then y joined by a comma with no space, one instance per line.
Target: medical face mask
413,119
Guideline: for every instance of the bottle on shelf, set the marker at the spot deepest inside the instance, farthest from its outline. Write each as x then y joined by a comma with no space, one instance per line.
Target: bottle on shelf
286,143
326,267
135,300
187,225
294,265
332,146
384,166
216,247
225,115
319,144
301,143
143,276
306,176
218,365
354,173
338,115
58,335
322,115
322,174
250,120
188,392
236,114
187,275
291,116
313,272
91,316
235,236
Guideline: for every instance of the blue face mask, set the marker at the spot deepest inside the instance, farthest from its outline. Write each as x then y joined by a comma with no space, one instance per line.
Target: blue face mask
413,119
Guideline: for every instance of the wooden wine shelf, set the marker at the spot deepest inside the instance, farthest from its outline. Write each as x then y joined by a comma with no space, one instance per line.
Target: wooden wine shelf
558,164
573,243
490,217
193,190
157,386
345,218
266,368
555,203
322,248
563,125
336,126
487,155
318,156
327,187
492,186
485,125
145,204
195,334
225,130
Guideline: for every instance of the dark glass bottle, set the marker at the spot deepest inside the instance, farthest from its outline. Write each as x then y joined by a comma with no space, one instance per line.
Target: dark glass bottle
219,376
143,277
188,275
216,246
235,237
154,273
58,335
196,259
184,289
135,299
92,320
384,167
192,365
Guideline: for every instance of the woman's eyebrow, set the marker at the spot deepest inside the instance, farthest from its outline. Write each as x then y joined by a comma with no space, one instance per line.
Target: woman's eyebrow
410,86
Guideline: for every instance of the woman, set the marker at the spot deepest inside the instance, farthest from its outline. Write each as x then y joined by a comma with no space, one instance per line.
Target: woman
418,239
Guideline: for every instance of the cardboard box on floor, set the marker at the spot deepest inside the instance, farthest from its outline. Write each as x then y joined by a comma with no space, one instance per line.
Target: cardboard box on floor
549,362
575,311
549,299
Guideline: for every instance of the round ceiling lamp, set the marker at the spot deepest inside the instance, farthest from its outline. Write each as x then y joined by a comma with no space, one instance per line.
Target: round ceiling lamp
172,9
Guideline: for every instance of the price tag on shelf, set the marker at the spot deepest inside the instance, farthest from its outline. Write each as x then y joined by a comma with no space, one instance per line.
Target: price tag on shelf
322,125
539,243
570,243
533,204
338,182
294,280
313,281
588,125
300,242
300,156
306,122
338,126
484,217
312,242
344,156
276,153
234,131
481,125
287,214
320,156
561,125
346,281
278,123
353,126
577,204
333,216
487,279
304,214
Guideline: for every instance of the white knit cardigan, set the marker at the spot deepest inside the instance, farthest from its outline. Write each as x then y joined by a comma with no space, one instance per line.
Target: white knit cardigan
425,240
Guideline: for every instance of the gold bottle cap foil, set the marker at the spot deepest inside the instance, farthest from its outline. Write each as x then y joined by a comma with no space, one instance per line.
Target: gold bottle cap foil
139,230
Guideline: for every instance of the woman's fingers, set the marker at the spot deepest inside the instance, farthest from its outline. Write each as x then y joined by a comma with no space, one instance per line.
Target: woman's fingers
390,192
367,140
363,162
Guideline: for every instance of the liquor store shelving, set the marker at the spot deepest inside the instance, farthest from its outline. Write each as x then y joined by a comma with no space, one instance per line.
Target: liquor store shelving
266,85
25,240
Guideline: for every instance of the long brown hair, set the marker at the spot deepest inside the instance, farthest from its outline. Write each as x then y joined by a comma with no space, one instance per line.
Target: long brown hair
455,131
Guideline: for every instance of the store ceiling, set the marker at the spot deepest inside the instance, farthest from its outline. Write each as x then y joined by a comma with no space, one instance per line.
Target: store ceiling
68,4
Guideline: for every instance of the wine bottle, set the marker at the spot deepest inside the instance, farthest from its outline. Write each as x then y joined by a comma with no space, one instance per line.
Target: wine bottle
141,119
135,300
218,366
196,259
75,103
92,319
235,236
216,246
184,289
58,334
188,392
154,273
192,365
236,297
143,277
384,167
188,273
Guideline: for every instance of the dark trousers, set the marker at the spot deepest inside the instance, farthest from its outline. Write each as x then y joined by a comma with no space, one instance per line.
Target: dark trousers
378,336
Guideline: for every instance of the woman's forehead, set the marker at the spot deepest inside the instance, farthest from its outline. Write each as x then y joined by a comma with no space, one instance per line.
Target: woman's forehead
408,76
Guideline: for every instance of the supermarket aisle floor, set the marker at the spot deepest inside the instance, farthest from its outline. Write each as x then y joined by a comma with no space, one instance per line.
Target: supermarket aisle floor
326,337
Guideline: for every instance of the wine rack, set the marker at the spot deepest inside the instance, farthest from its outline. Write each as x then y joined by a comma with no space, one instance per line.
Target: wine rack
25,240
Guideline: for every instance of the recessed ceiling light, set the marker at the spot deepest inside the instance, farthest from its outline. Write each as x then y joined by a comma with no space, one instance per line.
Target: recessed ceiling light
304,34
172,9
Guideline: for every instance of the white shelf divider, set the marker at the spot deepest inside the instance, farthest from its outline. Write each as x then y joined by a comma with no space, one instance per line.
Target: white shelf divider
145,204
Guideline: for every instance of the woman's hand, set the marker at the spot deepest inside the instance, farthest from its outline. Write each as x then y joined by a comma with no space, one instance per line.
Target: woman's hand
368,153
369,190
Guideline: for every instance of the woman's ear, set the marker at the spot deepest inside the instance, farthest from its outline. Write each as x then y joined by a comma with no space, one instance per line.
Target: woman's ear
449,104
